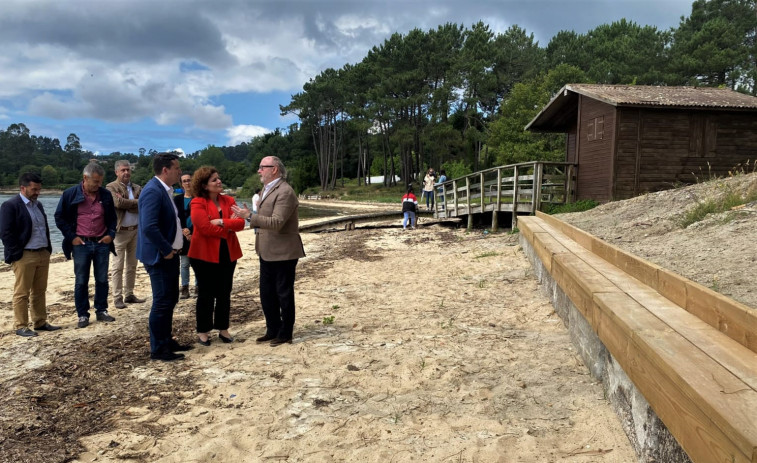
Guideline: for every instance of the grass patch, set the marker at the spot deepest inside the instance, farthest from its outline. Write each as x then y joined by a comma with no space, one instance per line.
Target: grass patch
578,206
714,206
487,254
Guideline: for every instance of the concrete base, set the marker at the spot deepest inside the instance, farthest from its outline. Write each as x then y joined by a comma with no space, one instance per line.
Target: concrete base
648,435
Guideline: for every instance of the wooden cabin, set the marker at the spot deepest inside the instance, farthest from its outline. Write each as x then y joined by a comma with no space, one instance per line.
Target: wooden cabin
631,139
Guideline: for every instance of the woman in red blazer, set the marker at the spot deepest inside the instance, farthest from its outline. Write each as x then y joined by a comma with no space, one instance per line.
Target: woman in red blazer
213,253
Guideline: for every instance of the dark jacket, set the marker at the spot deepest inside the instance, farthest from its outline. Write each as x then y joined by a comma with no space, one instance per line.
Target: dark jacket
178,200
67,212
157,223
16,228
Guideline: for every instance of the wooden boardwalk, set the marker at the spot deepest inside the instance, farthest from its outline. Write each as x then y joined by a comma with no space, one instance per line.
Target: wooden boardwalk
515,188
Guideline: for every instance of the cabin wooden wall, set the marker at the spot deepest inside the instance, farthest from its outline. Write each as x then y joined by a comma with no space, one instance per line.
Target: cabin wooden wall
658,149
595,146
570,145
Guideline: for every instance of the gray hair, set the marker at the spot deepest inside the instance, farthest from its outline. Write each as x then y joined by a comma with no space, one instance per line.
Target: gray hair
121,163
94,168
282,170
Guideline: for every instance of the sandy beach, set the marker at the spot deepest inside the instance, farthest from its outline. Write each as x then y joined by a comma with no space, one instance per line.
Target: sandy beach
425,345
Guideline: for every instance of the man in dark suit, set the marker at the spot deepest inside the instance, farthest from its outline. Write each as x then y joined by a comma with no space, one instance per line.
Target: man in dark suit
279,247
158,246
26,244
86,217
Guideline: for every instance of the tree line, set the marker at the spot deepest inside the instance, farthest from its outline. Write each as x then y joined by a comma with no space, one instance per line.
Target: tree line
452,97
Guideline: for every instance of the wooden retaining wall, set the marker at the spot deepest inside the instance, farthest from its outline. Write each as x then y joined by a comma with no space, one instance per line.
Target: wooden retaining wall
689,351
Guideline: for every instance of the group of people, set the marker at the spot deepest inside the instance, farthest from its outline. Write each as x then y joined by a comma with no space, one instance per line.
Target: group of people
168,233
410,201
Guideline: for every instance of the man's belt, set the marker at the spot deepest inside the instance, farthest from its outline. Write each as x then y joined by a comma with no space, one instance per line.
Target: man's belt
133,227
94,239
36,250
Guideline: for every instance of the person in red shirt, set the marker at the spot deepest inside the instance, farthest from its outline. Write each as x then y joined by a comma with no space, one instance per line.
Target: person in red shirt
409,208
213,253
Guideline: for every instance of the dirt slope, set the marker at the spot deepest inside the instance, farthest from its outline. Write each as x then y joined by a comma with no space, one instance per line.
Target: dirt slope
717,252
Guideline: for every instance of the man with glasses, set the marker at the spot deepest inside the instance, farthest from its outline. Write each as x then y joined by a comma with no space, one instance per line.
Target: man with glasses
125,197
86,217
279,247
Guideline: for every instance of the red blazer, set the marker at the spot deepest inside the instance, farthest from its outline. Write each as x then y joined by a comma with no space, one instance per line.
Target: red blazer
206,238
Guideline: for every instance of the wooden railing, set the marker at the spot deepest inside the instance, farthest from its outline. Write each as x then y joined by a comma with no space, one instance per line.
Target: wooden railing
507,189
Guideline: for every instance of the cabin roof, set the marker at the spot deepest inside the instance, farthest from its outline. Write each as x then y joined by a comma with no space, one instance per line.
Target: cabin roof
559,113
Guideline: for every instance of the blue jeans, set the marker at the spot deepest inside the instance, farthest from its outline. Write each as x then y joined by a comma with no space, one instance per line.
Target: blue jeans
164,279
87,255
185,271
429,198
411,216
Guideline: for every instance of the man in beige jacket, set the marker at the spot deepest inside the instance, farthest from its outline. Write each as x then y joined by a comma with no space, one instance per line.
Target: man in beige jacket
279,247
125,196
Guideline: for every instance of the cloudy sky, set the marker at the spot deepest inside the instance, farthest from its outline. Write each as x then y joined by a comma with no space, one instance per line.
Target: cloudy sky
168,74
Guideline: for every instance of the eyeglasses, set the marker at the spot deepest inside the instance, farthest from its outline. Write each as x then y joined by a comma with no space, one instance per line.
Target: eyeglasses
186,180
265,167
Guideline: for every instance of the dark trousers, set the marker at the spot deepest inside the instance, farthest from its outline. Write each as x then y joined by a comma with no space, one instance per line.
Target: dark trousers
277,296
164,278
214,283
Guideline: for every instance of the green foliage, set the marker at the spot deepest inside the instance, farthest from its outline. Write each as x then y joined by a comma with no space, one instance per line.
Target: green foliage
328,320
716,46
578,206
724,203
456,169
508,141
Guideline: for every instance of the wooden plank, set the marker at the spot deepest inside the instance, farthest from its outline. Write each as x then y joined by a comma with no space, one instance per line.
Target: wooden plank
672,286
682,384
580,282
734,357
736,320
546,247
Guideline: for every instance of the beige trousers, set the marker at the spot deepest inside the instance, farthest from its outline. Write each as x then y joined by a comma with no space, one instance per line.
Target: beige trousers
125,261
29,291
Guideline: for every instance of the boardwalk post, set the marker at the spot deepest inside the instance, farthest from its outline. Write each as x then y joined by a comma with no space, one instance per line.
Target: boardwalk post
538,174
454,197
467,202
515,197
495,210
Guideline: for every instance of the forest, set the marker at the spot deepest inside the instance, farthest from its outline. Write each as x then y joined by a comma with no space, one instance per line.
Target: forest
454,98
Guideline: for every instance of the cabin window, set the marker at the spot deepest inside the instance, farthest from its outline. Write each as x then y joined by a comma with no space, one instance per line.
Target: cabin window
596,128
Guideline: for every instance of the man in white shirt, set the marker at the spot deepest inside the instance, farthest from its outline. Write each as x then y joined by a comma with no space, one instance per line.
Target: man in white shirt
126,199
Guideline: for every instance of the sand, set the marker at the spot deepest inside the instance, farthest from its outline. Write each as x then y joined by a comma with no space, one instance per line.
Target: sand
425,345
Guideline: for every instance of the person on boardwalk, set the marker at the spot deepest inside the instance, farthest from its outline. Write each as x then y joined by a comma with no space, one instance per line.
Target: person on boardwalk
182,202
86,216
428,188
213,253
125,197
279,247
409,208
440,188
26,246
158,245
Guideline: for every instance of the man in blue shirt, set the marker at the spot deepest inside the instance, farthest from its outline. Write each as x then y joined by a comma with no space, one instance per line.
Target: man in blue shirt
26,242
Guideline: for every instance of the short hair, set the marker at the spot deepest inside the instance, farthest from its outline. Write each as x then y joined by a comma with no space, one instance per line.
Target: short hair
199,179
162,160
121,162
29,177
94,168
282,170
257,190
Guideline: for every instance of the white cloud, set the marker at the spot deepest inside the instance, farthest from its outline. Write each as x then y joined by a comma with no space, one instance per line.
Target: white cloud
244,133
